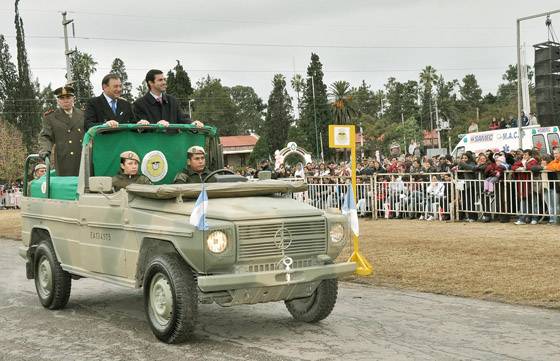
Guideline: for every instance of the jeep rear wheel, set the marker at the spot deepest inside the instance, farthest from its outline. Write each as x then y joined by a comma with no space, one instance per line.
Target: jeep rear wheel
52,283
317,306
170,298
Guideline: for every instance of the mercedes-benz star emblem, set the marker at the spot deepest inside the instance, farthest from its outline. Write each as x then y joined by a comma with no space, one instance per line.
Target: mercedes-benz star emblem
282,238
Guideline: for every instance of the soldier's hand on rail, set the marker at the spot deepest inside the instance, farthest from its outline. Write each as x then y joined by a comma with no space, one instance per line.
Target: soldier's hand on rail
165,123
112,123
143,122
198,123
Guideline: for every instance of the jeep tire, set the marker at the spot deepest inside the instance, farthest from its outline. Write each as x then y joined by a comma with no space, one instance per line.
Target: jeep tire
52,283
317,306
170,298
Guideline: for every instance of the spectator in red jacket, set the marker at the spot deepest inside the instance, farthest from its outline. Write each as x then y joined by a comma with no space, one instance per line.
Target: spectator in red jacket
523,167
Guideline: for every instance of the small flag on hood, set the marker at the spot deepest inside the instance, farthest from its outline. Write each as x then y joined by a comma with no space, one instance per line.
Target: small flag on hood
198,215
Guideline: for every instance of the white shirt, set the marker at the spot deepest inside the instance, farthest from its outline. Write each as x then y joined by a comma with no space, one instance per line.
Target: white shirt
109,100
157,97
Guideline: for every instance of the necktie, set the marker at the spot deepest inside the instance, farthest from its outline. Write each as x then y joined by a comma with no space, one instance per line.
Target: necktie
114,106
158,99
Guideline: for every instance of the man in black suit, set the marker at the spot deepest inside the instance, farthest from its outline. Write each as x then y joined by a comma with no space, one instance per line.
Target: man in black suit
109,108
157,107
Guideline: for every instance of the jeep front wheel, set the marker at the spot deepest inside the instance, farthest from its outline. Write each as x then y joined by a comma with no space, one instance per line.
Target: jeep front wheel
317,306
52,283
170,298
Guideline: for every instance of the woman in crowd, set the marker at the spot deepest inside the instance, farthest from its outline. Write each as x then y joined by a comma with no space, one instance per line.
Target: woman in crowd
523,176
467,178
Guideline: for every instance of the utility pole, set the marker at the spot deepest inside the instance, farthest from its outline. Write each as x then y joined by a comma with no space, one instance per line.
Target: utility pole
438,126
315,118
67,51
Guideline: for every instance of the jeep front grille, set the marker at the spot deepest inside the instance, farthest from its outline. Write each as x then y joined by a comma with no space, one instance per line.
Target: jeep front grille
257,240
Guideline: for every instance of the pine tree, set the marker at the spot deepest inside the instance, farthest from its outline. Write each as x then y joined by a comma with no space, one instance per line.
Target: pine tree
279,114
8,83
83,66
179,85
118,68
315,108
141,90
28,109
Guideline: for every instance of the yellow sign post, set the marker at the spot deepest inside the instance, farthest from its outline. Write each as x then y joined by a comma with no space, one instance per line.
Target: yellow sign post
344,136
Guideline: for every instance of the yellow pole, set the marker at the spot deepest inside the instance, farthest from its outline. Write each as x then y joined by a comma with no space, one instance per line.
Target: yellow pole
363,267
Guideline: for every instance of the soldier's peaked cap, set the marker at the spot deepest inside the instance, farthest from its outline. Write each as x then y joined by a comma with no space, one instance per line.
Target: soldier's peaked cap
130,155
64,91
195,149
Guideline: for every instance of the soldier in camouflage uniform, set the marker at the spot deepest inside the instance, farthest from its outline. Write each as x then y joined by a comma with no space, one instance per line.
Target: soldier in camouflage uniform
195,170
129,171
64,129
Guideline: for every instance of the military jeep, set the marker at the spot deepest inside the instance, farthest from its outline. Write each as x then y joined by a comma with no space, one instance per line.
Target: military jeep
260,246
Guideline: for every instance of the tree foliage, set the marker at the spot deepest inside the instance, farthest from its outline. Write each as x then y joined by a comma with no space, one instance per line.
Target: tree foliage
179,84
117,67
249,114
342,103
83,66
214,106
12,152
279,114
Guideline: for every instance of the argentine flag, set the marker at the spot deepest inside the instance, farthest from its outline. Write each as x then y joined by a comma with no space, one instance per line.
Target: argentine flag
198,215
349,209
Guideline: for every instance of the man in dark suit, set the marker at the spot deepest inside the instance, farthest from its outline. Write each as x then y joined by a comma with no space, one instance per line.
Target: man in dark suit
157,107
109,108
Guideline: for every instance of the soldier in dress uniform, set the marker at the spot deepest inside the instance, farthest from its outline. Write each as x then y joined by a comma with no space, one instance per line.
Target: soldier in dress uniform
129,171
64,129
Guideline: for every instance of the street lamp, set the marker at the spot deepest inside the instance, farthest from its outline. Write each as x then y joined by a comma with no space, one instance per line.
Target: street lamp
190,109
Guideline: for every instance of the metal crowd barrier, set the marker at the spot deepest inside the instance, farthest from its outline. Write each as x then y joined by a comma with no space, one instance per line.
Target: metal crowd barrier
460,196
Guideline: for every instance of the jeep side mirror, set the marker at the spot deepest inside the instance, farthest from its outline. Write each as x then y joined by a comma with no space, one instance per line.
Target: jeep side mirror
100,184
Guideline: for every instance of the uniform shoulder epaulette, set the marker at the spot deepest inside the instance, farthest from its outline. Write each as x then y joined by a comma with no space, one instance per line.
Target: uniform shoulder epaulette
121,98
48,112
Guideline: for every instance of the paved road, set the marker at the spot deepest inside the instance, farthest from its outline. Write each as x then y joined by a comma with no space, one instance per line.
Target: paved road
103,322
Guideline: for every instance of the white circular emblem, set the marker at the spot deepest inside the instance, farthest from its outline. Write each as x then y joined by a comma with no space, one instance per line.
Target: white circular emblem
292,146
44,187
154,165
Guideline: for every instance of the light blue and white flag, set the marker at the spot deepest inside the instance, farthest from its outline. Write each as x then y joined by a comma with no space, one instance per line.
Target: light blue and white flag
198,215
349,209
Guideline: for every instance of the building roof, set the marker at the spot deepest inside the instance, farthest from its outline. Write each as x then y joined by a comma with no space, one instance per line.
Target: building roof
239,141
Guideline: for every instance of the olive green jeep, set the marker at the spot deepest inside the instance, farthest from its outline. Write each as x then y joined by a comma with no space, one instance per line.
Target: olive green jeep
260,246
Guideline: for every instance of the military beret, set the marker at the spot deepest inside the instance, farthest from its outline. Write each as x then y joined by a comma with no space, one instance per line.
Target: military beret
40,166
195,149
64,91
130,155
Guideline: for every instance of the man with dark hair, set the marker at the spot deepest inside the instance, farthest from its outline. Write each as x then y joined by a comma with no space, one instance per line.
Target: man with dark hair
109,108
158,107
63,129
195,170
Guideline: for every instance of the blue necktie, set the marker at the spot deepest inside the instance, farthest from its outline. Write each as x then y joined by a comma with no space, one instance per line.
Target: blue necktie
114,106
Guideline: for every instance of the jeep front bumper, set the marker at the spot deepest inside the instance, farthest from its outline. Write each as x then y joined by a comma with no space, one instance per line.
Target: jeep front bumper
235,281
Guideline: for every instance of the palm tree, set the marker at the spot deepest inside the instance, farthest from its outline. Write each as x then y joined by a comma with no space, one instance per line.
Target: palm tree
342,104
428,78
298,84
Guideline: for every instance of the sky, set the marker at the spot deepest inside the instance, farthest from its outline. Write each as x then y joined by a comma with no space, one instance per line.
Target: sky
247,42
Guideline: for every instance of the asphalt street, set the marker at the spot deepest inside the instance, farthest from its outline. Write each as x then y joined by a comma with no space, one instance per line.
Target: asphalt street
105,322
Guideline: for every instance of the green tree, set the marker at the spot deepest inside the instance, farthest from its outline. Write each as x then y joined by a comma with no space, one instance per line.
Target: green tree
260,152
298,85
28,109
366,101
12,152
279,114
401,99
318,107
428,77
141,90
179,84
214,106
470,91
117,67
342,105
250,109
8,83
47,98
83,66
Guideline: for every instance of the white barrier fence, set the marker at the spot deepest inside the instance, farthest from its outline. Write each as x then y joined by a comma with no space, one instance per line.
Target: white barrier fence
464,195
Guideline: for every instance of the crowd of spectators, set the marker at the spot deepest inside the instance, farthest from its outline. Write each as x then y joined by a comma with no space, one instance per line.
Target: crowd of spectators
10,195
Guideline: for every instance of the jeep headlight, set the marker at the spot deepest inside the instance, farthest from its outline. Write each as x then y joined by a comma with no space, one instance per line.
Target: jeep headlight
337,233
217,242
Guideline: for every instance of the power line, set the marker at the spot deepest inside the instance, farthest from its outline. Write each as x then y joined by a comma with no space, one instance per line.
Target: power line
271,45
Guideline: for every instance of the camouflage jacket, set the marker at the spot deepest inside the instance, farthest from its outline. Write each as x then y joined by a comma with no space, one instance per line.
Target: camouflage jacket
122,180
187,175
